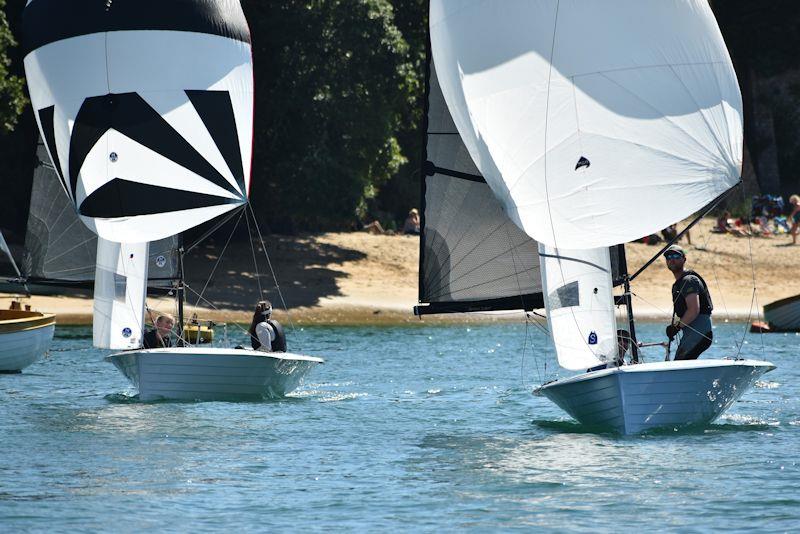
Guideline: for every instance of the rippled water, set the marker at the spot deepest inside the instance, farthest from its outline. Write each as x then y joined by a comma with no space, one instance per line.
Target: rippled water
414,427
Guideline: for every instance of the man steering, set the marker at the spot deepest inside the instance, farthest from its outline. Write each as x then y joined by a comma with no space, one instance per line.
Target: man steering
692,307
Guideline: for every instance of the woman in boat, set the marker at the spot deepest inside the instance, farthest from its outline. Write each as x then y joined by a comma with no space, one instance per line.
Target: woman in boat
266,334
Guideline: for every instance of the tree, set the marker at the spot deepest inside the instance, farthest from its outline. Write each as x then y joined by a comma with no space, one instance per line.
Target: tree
332,83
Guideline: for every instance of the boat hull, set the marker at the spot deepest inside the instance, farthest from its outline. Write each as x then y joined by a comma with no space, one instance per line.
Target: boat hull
24,338
783,315
637,398
209,374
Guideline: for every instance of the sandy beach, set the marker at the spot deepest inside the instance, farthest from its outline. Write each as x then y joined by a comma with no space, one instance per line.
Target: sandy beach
358,278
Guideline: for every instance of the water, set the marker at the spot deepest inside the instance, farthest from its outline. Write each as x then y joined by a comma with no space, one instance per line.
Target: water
430,428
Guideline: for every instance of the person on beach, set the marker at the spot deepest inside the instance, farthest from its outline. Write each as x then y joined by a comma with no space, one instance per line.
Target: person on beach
412,223
159,337
794,200
266,334
692,306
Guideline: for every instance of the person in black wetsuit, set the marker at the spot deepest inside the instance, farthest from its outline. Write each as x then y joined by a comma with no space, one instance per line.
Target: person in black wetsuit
692,307
159,337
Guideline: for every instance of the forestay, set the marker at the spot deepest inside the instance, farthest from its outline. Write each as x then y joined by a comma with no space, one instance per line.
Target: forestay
146,108
120,290
580,311
595,123
473,257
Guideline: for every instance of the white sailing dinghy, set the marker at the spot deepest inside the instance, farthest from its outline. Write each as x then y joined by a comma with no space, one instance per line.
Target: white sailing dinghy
593,128
146,110
25,335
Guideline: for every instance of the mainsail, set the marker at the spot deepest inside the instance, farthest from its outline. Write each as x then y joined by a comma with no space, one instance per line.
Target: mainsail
580,305
119,295
591,125
473,257
146,109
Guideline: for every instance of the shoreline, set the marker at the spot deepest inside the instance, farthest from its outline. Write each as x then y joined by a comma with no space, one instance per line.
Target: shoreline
356,278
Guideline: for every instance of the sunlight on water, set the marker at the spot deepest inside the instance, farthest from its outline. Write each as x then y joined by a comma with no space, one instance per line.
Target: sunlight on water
424,428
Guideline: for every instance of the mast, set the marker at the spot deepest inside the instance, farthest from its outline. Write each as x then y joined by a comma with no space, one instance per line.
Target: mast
626,296
180,293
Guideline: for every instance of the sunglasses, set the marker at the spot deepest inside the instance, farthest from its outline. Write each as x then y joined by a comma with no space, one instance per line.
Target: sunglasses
673,255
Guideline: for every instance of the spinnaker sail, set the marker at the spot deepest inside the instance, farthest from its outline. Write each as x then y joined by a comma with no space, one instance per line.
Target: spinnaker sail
146,109
592,125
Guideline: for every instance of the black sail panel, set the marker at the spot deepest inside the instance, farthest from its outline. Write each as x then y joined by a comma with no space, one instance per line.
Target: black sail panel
472,257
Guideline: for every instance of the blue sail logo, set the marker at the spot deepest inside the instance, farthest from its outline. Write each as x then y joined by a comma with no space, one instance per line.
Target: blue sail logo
593,338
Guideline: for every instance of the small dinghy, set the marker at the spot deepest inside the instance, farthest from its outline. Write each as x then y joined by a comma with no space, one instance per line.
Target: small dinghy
25,335
150,134
591,130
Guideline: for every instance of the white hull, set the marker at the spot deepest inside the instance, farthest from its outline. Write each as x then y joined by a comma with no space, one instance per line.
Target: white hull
636,398
21,347
212,374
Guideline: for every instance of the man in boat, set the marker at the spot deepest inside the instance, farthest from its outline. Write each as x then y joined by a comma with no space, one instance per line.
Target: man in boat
159,337
266,334
692,307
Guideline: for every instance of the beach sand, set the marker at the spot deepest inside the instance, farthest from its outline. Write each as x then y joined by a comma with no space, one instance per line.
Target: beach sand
360,278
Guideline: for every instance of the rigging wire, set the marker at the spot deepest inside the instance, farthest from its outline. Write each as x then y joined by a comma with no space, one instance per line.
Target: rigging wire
272,270
219,258
253,252
754,297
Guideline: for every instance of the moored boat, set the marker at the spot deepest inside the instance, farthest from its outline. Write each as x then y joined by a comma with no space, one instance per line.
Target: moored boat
783,315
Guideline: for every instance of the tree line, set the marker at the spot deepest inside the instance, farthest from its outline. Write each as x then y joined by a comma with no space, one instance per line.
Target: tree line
339,88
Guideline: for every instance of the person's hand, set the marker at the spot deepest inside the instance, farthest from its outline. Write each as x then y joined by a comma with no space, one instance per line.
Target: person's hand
672,331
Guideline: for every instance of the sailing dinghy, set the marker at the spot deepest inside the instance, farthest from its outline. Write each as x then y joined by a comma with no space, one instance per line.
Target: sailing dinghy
591,129
146,111
25,335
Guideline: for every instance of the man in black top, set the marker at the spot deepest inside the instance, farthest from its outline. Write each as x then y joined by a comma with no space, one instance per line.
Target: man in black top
692,307
159,337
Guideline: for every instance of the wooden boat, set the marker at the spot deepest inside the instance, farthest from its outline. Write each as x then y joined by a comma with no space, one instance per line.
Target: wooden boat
783,315
24,337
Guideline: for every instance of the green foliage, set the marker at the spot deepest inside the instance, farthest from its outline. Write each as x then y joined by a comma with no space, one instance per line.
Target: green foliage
12,92
333,81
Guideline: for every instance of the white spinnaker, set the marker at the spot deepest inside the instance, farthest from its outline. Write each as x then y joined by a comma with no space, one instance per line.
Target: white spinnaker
120,290
161,68
594,122
578,296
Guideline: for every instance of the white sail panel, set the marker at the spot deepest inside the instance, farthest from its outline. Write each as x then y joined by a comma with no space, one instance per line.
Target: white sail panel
593,126
120,290
579,300
119,89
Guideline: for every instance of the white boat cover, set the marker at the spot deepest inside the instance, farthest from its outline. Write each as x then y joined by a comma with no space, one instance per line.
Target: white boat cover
146,109
579,301
595,123
120,289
